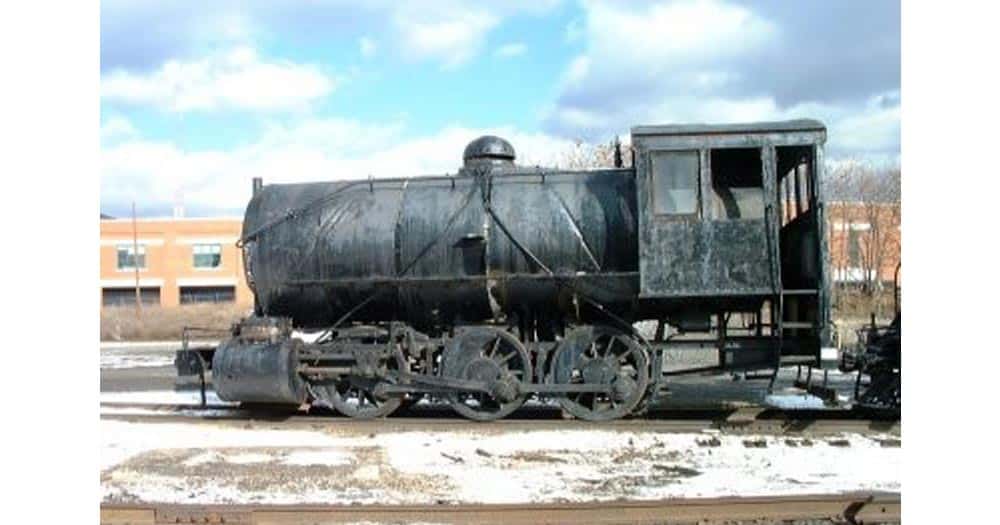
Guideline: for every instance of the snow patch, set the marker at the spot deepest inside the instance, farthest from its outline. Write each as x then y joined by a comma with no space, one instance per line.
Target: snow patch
123,440
317,457
163,397
794,401
202,459
244,459
135,360
207,463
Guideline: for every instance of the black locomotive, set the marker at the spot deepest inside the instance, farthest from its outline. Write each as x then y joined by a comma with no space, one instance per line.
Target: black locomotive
503,282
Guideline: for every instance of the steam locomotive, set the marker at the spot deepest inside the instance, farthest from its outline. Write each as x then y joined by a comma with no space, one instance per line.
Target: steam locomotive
501,282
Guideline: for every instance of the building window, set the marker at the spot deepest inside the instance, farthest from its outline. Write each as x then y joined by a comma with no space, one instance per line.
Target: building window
854,248
127,259
675,182
207,294
207,256
126,296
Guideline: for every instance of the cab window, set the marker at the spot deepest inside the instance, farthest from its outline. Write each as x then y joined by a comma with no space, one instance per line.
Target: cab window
675,182
737,183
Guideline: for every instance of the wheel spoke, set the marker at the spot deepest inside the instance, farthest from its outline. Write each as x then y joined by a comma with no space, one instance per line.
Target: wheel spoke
485,353
611,344
353,396
493,348
606,353
507,358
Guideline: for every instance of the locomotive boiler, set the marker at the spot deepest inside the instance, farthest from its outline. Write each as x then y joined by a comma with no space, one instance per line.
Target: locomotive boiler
501,282
493,241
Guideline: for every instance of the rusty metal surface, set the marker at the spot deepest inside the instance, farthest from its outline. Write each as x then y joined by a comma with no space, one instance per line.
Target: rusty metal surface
706,254
259,372
316,250
839,508
699,258
322,262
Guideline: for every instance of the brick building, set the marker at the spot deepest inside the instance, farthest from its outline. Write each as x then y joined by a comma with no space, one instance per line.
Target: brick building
180,261
865,242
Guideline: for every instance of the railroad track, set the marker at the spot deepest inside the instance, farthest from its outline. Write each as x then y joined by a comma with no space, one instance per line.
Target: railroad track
748,421
857,508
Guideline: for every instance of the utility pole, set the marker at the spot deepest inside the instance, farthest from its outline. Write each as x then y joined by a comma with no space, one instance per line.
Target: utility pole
135,265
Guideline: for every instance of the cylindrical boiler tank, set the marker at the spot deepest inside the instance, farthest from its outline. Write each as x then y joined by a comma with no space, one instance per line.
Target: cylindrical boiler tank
492,240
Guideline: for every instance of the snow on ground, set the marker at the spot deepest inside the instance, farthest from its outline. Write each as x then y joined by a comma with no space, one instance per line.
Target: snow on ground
204,413
115,355
135,360
162,397
208,463
794,401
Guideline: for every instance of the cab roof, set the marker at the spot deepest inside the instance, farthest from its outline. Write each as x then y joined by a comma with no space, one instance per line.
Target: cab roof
798,125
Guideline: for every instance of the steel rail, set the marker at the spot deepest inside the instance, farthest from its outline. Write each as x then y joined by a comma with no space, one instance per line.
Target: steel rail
853,508
541,419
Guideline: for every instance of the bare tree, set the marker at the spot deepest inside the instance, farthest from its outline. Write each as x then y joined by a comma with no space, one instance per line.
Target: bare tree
864,214
590,156
881,210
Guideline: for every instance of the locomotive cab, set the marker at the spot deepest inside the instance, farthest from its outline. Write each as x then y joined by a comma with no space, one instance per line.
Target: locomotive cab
730,225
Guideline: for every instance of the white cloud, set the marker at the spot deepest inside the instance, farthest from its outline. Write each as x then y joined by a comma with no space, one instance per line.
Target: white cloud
367,46
345,137
138,35
873,130
870,129
511,50
639,58
116,128
677,32
237,79
703,61
453,32
152,173
449,36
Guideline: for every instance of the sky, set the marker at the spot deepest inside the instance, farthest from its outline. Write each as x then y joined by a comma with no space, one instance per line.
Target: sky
197,98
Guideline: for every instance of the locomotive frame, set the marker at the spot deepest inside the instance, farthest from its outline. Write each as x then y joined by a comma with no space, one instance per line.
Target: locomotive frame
445,289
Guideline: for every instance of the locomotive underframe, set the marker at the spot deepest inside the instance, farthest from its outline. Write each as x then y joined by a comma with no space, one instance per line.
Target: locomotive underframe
392,364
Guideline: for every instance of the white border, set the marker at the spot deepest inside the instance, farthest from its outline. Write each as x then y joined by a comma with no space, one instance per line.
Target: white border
50,137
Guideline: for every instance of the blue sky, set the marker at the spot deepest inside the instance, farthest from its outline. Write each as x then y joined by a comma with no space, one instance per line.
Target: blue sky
199,97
